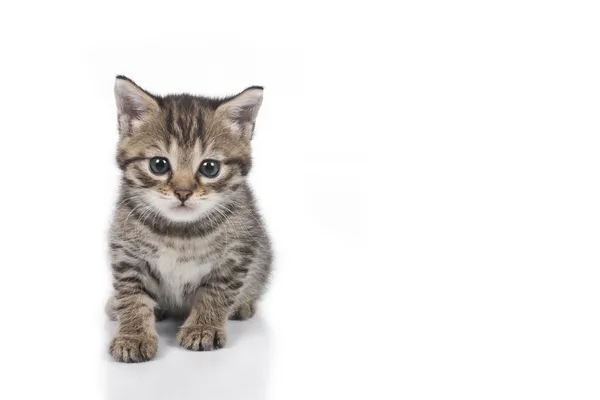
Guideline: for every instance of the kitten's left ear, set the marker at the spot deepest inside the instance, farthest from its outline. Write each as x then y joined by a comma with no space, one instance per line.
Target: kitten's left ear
240,111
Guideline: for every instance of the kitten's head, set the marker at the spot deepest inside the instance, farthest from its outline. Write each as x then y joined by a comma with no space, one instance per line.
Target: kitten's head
181,155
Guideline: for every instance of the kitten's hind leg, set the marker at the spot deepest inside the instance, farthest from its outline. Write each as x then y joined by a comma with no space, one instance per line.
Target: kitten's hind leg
110,309
243,311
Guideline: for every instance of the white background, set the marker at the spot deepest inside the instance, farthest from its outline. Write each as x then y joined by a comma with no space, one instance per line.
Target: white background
429,172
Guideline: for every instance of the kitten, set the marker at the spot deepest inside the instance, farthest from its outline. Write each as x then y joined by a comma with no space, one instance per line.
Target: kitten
186,238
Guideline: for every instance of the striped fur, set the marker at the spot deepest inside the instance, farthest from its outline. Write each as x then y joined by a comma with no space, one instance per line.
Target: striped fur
206,263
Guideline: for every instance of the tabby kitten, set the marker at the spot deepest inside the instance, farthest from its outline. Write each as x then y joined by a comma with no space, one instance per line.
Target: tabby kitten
186,239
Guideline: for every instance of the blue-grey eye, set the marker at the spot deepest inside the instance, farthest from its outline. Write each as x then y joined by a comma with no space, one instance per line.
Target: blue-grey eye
159,165
210,168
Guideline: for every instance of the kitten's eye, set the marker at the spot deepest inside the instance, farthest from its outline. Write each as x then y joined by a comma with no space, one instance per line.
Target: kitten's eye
210,168
159,165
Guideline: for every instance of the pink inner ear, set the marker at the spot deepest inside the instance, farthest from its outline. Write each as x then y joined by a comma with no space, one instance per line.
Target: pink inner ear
245,106
244,114
130,108
132,100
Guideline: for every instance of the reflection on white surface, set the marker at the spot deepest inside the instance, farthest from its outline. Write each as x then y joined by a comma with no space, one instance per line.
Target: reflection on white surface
239,371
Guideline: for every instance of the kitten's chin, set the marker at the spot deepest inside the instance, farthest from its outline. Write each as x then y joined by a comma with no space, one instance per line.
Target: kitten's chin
183,213
174,211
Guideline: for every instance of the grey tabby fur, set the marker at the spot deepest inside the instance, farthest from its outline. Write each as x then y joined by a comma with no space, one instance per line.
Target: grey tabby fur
184,244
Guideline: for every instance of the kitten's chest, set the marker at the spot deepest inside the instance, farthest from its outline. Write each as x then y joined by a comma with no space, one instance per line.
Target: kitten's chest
180,274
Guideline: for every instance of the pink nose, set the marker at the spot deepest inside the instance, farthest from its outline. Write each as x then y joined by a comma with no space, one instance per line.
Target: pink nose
183,193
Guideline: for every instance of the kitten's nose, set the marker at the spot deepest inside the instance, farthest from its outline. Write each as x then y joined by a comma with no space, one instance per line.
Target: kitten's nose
183,193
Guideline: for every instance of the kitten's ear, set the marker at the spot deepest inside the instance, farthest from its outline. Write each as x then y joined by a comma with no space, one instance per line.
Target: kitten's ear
134,104
240,111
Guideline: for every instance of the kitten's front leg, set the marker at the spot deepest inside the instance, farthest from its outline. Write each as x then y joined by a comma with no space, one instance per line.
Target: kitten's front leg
204,329
136,339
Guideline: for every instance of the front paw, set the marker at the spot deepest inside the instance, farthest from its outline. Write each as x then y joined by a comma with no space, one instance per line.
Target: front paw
133,348
202,337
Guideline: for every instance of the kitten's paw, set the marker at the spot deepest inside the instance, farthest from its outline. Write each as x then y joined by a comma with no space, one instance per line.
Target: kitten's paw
202,337
133,348
243,312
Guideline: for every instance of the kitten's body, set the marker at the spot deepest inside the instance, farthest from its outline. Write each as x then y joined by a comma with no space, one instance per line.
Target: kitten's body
176,265
208,258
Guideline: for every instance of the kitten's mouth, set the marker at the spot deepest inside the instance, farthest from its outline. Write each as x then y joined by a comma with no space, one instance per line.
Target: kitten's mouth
182,207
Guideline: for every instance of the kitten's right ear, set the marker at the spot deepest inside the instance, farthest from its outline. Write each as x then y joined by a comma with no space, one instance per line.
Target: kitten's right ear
134,104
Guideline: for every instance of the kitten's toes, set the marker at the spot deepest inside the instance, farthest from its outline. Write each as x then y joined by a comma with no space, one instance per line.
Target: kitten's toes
243,312
133,348
202,337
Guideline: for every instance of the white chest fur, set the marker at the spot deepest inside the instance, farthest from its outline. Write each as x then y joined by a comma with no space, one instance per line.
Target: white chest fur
176,273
